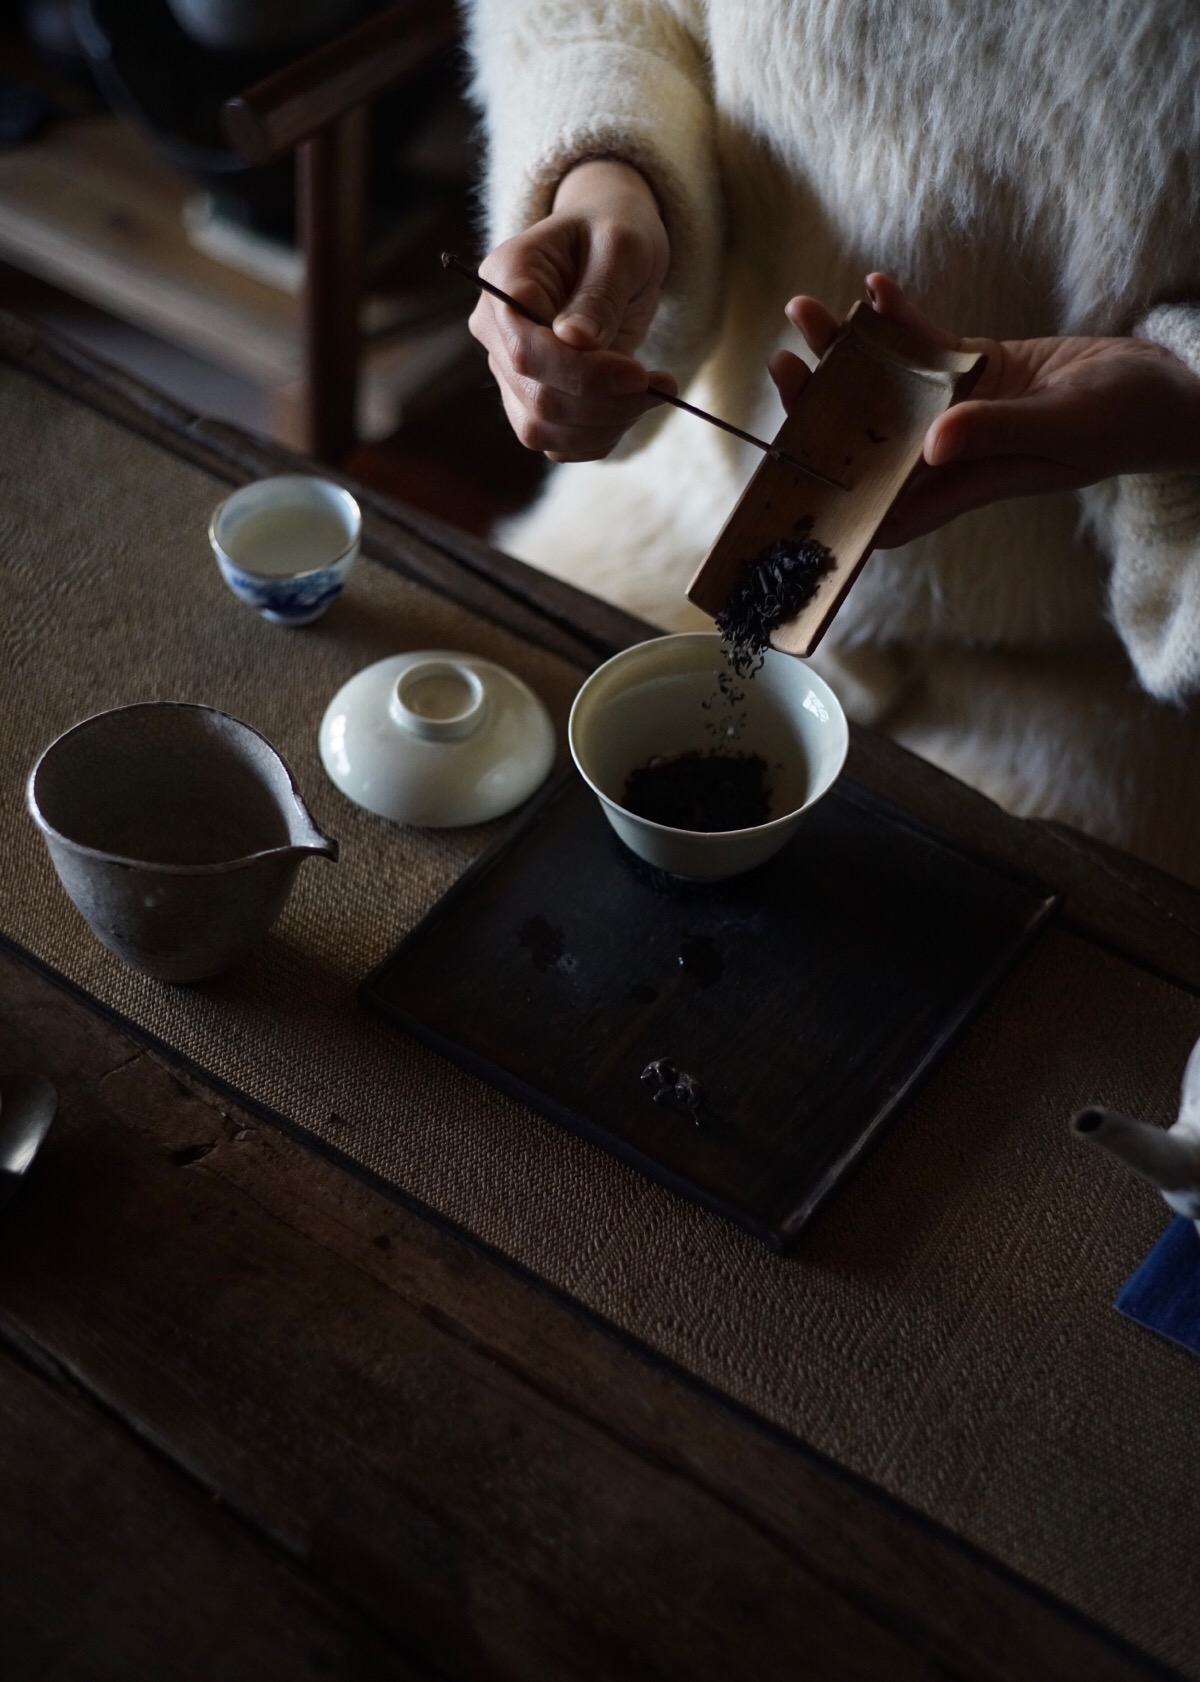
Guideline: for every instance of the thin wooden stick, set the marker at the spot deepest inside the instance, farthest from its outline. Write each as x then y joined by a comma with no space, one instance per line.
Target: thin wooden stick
450,261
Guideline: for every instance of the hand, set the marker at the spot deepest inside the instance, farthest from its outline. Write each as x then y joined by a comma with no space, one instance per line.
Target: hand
595,268
1046,415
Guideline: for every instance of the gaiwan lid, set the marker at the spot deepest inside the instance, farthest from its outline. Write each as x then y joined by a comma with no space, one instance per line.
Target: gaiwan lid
436,739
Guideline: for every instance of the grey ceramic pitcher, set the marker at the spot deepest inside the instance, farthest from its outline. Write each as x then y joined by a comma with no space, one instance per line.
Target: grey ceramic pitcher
175,830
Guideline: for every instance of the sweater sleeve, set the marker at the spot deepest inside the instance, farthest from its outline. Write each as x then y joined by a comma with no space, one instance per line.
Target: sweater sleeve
561,81
1150,525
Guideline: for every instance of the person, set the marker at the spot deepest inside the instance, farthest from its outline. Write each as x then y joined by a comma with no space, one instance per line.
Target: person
693,192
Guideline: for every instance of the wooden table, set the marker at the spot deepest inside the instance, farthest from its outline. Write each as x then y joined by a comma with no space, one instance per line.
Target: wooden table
260,1420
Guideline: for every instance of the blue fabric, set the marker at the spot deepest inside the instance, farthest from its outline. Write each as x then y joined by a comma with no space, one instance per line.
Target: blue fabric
1164,1293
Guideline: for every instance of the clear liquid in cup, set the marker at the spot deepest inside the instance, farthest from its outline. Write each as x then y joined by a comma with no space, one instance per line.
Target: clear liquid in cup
278,541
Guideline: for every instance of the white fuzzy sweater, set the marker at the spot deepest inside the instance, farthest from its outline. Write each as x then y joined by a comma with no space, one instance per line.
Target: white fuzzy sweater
1025,169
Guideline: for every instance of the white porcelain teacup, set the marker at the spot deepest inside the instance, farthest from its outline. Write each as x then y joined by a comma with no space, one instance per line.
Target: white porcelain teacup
286,545
662,698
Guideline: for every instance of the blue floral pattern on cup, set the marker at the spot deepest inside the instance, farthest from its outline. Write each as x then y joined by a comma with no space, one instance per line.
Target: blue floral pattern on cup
285,601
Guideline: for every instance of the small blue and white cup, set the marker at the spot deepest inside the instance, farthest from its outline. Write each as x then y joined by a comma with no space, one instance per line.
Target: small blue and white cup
287,545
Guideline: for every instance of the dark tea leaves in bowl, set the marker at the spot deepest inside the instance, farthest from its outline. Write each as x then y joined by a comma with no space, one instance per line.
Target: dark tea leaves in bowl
708,792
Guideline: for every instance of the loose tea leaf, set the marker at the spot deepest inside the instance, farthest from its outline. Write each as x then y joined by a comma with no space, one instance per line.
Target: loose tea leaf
709,792
770,588
673,1086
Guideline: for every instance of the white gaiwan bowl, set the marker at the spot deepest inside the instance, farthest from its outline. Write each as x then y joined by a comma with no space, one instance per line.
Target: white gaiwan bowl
650,700
436,739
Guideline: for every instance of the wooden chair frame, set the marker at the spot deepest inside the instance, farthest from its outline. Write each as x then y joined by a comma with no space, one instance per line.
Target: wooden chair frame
319,107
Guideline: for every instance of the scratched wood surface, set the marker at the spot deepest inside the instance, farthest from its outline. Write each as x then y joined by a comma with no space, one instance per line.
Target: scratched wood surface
349,1426
113,1562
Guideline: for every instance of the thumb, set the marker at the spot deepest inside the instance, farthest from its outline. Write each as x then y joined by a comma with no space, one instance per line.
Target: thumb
1044,424
592,316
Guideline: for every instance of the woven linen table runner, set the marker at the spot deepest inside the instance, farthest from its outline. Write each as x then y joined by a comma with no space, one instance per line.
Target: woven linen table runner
944,1328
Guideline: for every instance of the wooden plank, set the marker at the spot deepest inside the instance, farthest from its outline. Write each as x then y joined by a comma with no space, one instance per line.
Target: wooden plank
495,1476
113,1564
331,176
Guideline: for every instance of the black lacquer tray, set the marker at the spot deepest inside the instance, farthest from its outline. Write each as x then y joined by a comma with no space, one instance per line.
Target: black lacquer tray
805,1000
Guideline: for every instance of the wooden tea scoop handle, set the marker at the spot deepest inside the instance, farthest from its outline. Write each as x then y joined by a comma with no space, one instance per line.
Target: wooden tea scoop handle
450,261
862,418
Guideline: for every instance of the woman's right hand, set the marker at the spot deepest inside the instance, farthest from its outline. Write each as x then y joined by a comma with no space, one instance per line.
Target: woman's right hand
595,268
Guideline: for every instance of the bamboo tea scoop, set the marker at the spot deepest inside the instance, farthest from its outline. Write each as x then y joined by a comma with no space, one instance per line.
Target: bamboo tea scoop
857,431
774,451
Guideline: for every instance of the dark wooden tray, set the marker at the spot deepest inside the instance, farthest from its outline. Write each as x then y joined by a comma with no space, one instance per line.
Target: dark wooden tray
806,998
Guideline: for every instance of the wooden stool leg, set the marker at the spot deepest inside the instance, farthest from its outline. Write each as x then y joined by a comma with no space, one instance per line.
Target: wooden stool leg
331,194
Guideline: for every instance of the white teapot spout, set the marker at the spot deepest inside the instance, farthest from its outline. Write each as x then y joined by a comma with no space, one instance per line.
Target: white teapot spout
1170,1160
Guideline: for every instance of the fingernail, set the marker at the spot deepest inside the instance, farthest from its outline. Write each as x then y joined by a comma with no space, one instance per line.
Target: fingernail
576,326
870,290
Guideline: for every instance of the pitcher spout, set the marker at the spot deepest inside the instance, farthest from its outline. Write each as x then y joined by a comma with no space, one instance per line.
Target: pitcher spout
323,845
304,837
1169,1160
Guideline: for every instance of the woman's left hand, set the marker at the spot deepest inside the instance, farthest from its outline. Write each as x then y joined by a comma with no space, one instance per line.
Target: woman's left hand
1046,415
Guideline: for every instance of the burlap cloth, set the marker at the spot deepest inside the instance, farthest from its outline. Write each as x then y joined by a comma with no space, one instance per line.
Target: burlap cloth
944,1328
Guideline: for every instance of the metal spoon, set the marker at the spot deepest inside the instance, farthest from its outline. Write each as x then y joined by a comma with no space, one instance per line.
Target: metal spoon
27,1107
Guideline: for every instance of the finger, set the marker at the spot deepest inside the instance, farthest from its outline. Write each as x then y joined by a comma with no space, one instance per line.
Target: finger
589,446
569,413
890,300
611,276
790,375
585,443
935,496
547,422
1046,424
503,333
591,443
562,443
527,357
819,326
528,273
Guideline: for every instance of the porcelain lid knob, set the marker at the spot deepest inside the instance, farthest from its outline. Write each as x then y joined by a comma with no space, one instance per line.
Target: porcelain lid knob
438,700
